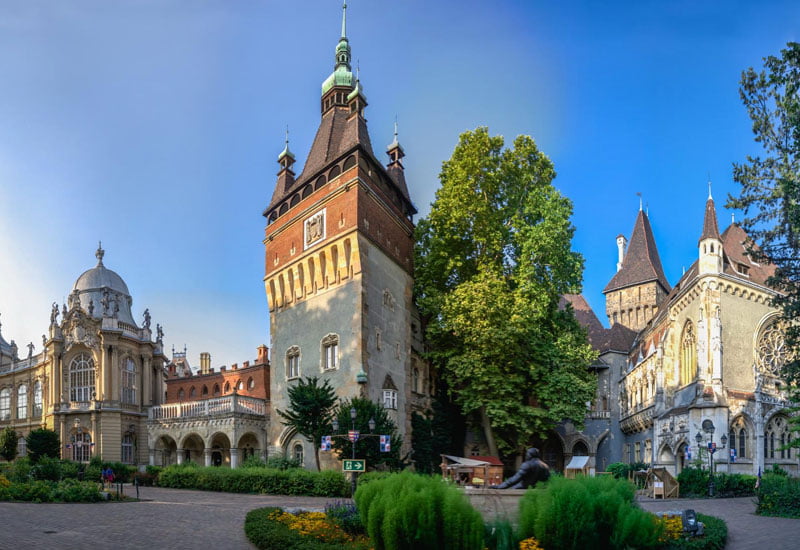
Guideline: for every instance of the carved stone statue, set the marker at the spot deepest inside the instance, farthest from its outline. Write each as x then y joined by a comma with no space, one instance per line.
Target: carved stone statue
54,314
64,311
532,471
91,308
159,334
105,301
147,319
30,350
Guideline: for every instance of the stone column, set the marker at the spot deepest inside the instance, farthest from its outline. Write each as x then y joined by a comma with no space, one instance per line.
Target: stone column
207,456
234,457
152,457
180,456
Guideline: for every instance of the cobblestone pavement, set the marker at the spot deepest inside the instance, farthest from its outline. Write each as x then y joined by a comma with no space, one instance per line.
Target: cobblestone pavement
746,530
166,518
180,519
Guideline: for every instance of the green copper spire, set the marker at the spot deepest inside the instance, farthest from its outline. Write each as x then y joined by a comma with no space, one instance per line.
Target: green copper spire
342,75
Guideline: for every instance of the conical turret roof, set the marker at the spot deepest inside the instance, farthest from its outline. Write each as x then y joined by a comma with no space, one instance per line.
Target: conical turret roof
641,263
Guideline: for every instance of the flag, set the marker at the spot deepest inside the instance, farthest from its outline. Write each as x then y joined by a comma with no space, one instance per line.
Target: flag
352,435
386,443
326,443
758,481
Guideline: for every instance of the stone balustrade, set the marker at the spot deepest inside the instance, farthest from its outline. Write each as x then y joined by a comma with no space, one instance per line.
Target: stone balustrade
208,407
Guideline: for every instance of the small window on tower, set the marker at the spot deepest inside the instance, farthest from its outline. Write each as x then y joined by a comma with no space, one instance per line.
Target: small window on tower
743,269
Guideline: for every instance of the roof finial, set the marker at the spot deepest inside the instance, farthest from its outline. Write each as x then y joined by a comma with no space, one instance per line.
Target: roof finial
100,253
287,137
344,19
733,218
640,201
395,128
709,187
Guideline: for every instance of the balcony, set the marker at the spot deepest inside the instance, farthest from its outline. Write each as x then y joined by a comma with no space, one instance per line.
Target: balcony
230,404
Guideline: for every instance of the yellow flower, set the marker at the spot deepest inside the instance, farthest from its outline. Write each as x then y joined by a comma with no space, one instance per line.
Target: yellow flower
529,544
4,482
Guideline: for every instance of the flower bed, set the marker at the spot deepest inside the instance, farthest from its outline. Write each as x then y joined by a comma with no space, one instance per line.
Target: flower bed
269,528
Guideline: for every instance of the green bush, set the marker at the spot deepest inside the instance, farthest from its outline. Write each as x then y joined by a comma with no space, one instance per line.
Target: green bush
347,516
69,490
20,470
282,463
255,480
409,511
694,483
618,469
43,442
587,512
48,469
72,490
715,538
70,470
779,496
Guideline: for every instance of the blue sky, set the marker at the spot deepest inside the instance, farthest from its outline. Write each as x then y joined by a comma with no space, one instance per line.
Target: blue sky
155,126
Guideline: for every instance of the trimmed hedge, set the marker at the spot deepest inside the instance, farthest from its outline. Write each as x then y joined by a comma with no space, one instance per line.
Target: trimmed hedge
779,496
715,538
694,483
587,512
256,480
69,490
415,512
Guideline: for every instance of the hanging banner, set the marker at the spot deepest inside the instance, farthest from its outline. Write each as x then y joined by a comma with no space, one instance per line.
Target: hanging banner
326,443
386,443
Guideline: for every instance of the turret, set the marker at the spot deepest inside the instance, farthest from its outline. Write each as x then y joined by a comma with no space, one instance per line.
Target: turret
710,244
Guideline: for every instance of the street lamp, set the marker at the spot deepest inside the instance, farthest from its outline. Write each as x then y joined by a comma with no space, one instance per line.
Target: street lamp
354,435
708,427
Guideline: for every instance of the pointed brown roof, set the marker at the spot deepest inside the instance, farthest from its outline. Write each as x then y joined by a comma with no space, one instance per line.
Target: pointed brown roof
710,228
585,316
641,263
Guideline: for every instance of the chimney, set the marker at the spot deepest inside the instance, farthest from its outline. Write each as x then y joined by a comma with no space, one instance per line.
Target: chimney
263,355
245,364
205,362
235,366
622,242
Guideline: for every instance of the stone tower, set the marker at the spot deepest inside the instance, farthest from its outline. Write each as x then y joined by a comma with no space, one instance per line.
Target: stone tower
338,271
639,285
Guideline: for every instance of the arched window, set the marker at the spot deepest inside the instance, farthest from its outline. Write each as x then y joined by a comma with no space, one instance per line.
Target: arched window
81,378
192,393
204,391
688,355
227,387
580,449
738,437
297,453
181,393
216,389
37,399
22,402
239,385
81,447
330,352
776,435
129,382
415,380
251,384
293,362
127,448
22,446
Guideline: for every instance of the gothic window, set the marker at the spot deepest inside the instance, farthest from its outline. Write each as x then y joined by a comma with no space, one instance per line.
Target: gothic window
776,435
415,380
330,352
688,355
298,453
81,447
129,382
37,399
293,362
81,378
239,385
771,350
22,402
648,451
227,387
216,389
5,404
204,391
637,451
22,446
738,437
251,384
181,394
192,393
127,448
605,403
390,399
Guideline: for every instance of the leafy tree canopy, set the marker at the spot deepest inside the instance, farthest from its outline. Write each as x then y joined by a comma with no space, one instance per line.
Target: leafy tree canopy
493,259
8,444
310,410
43,442
770,185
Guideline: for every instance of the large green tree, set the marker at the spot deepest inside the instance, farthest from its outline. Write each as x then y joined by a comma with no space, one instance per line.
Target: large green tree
310,410
368,445
43,442
770,184
8,443
492,260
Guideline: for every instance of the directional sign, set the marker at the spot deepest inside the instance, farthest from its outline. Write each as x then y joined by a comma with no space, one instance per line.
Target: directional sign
358,465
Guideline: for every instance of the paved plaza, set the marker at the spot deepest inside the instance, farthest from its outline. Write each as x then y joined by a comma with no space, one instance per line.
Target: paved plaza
181,519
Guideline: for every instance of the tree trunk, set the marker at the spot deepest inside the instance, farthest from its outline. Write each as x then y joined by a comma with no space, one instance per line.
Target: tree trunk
316,457
487,433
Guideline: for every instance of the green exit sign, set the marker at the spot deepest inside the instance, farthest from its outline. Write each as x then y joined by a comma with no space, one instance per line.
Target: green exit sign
358,465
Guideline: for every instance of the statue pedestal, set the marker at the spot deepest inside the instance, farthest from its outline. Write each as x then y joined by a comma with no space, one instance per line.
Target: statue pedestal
496,503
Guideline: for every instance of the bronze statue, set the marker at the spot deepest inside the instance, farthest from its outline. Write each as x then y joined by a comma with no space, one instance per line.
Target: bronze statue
532,471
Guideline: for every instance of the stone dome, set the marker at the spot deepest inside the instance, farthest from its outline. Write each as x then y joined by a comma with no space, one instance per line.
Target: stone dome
94,283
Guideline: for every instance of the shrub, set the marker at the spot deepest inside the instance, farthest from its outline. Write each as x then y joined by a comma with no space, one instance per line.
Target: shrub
282,463
715,538
587,512
72,490
255,480
47,468
253,462
346,515
71,470
618,469
779,496
20,470
694,483
8,443
69,490
43,442
409,511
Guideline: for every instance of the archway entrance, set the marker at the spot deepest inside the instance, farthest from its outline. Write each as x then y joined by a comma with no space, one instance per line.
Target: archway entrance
220,450
248,446
166,451
551,450
193,449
